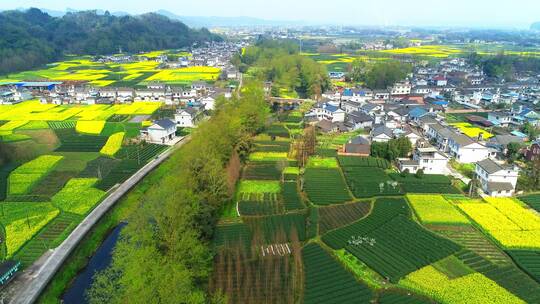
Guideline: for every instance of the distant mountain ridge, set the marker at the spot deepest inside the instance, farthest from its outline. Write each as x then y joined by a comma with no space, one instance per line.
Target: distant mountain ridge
215,21
32,37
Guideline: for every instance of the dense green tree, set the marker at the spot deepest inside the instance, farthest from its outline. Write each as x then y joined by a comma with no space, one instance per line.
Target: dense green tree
163,255
386,73
279,62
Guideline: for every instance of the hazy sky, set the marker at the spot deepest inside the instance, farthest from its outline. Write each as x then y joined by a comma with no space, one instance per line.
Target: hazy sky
487,13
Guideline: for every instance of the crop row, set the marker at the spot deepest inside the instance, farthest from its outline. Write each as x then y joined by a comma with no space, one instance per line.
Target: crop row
370,181
326,281
353,161
325,186
383,211
336,216
291,197
399,247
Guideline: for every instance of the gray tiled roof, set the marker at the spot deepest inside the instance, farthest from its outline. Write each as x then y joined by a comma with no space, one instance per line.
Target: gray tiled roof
490,166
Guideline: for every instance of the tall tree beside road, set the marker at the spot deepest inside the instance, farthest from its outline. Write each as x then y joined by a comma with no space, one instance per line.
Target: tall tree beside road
163,255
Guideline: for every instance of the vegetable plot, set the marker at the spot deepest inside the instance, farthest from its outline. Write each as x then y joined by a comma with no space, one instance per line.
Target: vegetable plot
327,282
325,186
27,175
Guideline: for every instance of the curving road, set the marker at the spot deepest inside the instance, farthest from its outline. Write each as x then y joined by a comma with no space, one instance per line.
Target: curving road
33,285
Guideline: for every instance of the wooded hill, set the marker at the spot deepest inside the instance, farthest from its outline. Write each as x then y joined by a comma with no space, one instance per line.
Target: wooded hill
32,38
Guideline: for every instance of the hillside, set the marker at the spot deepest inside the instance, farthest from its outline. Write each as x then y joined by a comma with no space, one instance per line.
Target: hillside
32,37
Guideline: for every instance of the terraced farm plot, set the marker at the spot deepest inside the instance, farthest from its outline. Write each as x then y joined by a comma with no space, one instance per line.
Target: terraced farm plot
325,186
291,173
231,235
251,208
22,179
291,197
278,131
57,125
507,276
22,221
383,211
4,174
113,144
93,127
472,288
73,142
50,237
434,209
245,279
142,153
532,200
401,297
99,167
78,196
271,146
516,228
472,239
278,228
354,161
118,174
528,260
322,162
367,182
400,247
54,182
326,281
332,217
429,183
262,171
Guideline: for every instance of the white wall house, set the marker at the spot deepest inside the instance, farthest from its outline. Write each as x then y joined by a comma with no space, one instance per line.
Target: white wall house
208,102
428,159
465,150
185,118
162,131
496,179
401,88
327,112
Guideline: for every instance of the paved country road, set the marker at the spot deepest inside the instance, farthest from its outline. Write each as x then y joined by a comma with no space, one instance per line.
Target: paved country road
31,285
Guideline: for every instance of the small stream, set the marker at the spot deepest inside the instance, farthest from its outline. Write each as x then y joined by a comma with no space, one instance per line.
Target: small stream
76,292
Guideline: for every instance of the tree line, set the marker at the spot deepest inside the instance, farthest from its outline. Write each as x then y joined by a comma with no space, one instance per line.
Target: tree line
32,38
163,255
505,66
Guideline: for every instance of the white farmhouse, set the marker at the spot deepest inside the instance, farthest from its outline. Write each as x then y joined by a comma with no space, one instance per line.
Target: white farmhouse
209,102
162,131
496,179
466,150
426,158
185,118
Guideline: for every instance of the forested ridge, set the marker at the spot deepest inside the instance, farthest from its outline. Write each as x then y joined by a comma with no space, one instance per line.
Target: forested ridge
164,254
32,38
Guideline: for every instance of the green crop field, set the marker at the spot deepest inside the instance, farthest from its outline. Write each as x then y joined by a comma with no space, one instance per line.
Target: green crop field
51,183
532,200
332,217
327,282
325,186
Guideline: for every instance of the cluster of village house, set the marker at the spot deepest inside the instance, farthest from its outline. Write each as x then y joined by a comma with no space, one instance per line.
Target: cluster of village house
193,101
414,109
